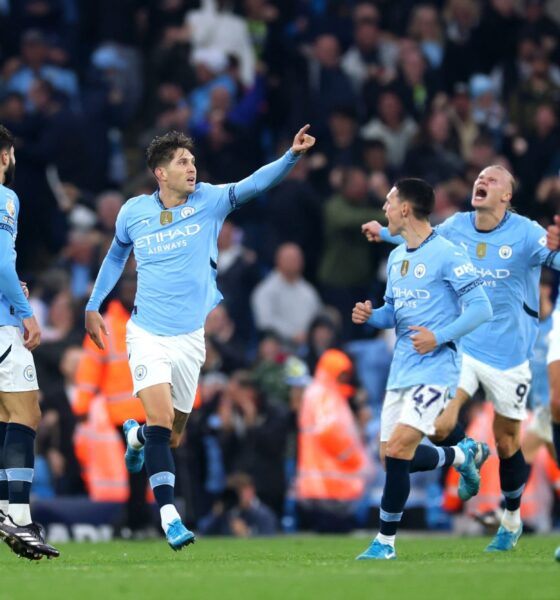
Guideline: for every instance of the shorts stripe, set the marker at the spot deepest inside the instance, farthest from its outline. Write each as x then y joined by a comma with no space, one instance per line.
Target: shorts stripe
3,357
441,457
3,476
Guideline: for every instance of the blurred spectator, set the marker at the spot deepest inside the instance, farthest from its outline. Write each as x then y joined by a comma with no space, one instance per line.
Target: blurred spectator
254,438
370,54
425,28
461,119
54,435
332,460
225,352
537,89
294,213
434,154
214,26
284,302
34,64
328,85
239,512
348,265
237,276
323,334
392,126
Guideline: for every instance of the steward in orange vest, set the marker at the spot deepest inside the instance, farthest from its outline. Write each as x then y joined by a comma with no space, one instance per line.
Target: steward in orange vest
105,375
332,460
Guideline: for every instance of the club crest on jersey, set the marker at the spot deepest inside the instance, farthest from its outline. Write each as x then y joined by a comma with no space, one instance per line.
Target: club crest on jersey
187,211
481,250
140,372
11,208
505,252
29,373
404,267
166,217
419,271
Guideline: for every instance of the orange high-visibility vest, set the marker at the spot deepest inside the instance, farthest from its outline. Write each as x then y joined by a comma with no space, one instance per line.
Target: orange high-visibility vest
332,461
106,372
100,449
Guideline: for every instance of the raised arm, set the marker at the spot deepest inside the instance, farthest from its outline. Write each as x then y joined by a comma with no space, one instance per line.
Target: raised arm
375,232
273,173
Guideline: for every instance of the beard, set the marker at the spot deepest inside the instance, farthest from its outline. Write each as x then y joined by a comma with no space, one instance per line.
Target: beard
9,174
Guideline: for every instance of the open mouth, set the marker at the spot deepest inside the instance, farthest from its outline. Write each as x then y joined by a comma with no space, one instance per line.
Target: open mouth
480,193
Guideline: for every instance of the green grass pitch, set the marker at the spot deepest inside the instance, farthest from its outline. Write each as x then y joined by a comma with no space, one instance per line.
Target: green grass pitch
309,568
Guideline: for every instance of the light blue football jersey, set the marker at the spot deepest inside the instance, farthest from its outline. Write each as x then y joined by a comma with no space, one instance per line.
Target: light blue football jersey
539,393
176,251
508,259
13,304
425,286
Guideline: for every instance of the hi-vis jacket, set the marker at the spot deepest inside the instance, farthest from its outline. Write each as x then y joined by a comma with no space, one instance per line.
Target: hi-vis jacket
104,395
332,459
106,373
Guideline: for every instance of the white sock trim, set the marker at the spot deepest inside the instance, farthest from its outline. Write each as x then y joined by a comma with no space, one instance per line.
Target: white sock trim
168,513
511,519
132,439
386,539
460,457
20,514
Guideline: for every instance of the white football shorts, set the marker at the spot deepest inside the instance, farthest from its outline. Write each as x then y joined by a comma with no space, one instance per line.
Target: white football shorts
17,369
173,359
507,389
417,406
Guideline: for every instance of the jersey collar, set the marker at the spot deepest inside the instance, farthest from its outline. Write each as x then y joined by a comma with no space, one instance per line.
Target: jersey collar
428,239
498,226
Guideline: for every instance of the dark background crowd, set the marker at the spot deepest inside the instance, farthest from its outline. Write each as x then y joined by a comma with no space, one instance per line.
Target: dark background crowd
431,89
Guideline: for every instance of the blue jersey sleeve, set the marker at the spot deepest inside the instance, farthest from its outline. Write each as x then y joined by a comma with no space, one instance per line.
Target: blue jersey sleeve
384,317
265,178
109,273
121,227
536,247
9,281
460,274
234,195
476,310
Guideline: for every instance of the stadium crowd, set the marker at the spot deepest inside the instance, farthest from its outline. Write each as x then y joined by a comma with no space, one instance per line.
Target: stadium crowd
290,392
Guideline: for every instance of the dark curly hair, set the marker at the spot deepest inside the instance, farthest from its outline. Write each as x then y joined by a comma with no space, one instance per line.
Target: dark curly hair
162,148
6,138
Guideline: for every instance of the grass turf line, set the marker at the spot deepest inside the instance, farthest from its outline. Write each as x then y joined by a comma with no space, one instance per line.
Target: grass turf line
321,567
